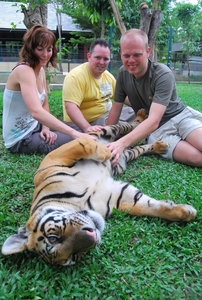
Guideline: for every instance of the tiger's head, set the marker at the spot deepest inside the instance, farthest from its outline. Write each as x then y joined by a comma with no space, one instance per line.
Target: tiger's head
58,235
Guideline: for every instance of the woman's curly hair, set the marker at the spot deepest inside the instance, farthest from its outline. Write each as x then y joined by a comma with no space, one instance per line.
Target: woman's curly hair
41,36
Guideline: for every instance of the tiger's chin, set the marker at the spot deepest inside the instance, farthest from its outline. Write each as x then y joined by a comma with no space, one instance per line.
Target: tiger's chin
63,240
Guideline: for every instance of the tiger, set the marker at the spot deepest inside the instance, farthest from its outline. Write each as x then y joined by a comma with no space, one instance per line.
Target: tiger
75,192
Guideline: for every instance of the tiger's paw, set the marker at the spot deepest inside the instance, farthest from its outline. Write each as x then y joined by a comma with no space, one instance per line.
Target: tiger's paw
141,115
101,153
160,147
188,212
89,149
177,212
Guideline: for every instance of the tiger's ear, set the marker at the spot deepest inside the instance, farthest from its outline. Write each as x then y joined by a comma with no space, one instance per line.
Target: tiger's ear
16,242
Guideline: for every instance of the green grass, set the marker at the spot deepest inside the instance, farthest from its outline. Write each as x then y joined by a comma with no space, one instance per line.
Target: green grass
139,258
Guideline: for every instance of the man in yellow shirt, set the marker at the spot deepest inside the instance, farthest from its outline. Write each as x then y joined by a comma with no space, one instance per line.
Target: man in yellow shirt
88,90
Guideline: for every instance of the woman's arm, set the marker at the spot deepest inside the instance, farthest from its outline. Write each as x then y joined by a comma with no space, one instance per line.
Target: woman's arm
27,80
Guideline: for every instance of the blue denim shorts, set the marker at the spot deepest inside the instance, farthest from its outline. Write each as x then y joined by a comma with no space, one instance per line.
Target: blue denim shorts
177,129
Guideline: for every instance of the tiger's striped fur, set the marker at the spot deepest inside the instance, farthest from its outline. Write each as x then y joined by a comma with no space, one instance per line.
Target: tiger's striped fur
75,192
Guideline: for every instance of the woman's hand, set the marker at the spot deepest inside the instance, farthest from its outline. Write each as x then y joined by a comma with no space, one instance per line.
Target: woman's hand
48,136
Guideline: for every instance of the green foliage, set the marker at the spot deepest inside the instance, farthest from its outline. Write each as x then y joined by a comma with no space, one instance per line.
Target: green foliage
93,14
77,11
186,13
90,14
32,3
187,22
139,258
63,51
97,10
91,17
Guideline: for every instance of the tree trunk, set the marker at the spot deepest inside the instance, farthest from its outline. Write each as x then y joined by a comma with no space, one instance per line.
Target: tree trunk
149,23
117,16
102,35
35,15
188,64
145,18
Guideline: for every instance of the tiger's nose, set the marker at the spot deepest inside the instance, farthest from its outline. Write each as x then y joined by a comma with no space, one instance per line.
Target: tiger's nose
90,231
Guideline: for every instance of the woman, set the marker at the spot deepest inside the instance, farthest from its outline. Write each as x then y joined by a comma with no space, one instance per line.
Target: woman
28,126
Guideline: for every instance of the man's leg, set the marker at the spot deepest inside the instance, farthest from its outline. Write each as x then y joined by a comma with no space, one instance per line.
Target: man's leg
127,114
189,151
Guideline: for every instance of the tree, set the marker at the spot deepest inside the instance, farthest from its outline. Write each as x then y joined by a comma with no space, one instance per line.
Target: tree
117,16
126,13
77,10
187,16
99,16
99,10
57,7
149,21
35,12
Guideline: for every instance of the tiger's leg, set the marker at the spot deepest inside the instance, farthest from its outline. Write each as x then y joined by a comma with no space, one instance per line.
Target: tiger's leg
133,153
77,149
68,154
114,132
143,205
155,148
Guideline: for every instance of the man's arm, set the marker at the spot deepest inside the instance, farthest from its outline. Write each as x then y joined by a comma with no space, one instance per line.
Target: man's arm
140,132
114,113
77,118
76,115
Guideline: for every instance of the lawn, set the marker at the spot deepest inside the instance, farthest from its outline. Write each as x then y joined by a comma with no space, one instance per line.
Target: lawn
139,258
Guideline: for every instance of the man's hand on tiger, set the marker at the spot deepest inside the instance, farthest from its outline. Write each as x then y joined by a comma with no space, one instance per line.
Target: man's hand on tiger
116,149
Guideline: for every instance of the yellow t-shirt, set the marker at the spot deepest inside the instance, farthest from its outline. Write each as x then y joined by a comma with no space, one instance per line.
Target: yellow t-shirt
92,96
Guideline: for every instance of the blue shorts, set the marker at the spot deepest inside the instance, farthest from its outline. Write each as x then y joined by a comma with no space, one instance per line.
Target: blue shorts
177,129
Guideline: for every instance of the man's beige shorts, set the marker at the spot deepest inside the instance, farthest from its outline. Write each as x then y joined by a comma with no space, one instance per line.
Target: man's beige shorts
176,129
